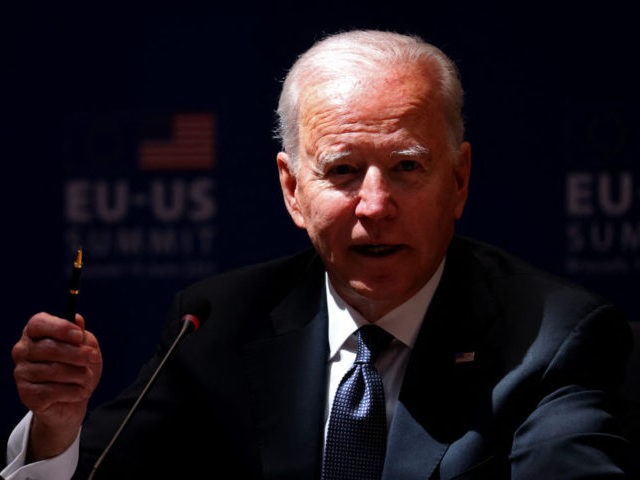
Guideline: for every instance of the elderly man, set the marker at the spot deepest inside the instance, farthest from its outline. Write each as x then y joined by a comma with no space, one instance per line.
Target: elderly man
392,348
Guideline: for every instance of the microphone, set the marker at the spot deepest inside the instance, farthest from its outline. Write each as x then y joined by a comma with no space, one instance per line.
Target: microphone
197,312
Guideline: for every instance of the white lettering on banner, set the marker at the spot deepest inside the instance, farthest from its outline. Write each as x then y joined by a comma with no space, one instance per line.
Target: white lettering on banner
166,200
588,193
603,237
160,228
129,241
603,228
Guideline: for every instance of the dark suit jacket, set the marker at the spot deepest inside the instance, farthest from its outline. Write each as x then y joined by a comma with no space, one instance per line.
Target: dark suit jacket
245,393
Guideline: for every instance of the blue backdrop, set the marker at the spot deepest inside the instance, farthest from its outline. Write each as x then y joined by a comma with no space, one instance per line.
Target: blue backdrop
98,104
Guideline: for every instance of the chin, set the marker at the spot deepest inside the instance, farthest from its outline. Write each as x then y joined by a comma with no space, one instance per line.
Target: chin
379,290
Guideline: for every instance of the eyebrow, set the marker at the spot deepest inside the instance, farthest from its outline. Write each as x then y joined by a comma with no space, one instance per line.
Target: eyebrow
413,151
327,158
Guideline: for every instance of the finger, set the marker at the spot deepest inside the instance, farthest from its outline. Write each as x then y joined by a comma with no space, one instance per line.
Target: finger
44,325
45,383
80,321
53,372
50,350
90,340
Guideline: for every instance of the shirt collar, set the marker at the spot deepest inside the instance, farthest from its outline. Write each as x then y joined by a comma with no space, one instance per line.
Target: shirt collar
403,322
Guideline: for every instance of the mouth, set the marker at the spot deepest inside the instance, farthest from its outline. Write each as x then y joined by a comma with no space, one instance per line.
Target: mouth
376,250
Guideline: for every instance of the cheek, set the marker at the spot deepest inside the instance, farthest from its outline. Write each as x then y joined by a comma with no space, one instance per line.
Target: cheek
325,211
447,197
433,212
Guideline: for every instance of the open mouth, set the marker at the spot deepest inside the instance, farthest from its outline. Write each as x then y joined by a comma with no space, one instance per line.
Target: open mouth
376,250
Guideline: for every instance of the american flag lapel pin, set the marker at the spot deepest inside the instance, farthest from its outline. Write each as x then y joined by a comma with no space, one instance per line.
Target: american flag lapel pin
465,357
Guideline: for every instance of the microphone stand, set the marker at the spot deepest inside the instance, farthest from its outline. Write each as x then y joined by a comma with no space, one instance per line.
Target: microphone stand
185,327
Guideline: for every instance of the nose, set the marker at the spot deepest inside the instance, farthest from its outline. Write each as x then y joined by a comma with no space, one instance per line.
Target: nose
375,200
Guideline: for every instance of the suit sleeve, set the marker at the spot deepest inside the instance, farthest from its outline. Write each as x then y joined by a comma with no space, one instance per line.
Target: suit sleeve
574,431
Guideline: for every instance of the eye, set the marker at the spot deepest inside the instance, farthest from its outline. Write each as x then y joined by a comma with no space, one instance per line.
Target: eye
342,169
407,165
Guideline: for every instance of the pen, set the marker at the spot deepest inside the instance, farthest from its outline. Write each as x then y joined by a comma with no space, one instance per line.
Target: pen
74,287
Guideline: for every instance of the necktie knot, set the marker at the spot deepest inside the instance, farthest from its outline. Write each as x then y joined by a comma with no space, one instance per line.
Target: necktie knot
372,340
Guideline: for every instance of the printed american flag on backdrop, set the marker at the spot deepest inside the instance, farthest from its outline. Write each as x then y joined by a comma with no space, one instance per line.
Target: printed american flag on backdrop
191,146
465,357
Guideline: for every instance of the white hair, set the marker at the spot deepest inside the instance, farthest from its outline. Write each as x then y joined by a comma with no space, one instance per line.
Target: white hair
353,52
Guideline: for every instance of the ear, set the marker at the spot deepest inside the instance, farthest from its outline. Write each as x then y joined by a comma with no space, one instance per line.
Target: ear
462,172
289,185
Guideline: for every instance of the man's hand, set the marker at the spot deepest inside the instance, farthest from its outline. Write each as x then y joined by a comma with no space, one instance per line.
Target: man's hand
57,368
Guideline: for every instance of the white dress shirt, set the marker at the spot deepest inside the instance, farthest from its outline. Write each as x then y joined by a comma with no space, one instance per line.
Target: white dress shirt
56,468
403,323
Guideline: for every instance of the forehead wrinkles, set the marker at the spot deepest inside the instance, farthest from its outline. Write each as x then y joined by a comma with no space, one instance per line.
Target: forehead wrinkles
325,119
338,134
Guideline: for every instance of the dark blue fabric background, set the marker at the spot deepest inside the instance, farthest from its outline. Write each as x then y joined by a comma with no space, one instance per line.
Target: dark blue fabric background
552,94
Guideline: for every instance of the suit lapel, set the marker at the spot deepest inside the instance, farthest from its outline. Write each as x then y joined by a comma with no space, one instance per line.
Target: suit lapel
287,374
449,371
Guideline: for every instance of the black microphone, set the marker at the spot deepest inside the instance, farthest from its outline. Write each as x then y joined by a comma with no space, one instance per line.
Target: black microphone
198,311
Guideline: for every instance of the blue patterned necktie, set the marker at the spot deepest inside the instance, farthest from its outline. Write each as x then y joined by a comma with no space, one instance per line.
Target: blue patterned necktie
357,432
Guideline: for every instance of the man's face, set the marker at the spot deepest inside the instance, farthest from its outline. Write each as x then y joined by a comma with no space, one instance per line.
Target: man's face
379,186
